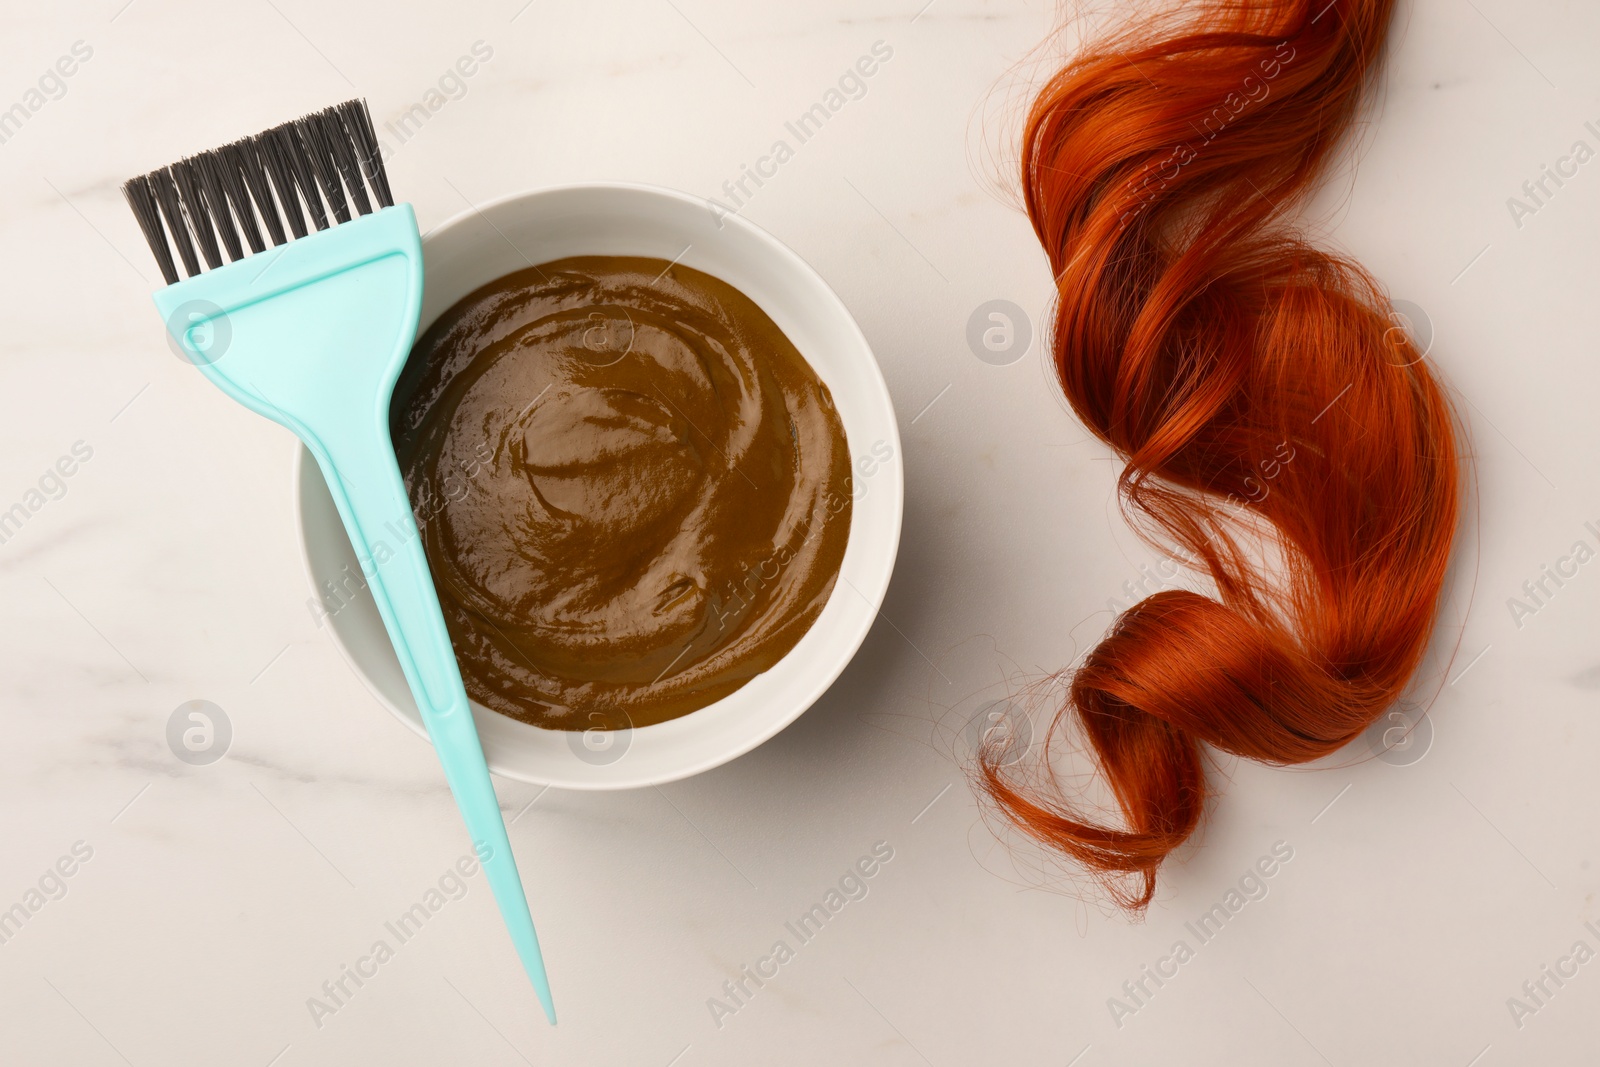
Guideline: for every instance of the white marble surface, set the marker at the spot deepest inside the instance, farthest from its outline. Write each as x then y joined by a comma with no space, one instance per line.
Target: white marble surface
219,898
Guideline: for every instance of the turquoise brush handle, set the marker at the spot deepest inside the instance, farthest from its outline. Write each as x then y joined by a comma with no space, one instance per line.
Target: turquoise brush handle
313,335
367,488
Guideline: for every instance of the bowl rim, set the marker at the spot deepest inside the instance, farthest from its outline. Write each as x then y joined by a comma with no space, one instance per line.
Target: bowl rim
824,678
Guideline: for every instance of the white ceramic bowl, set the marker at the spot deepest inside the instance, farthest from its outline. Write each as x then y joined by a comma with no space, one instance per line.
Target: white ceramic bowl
484,243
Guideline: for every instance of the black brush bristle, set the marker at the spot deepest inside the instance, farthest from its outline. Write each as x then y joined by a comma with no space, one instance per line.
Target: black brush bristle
337,138
241,156
358,123
238,197
208,169
305,175
282,175
325,163
315,139
191,193
166,191
142,199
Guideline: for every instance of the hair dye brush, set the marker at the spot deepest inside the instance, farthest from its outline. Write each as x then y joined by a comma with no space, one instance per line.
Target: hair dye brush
313,335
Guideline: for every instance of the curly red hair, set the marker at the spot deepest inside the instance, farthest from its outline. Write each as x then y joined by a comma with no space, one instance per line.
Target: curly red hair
1257,388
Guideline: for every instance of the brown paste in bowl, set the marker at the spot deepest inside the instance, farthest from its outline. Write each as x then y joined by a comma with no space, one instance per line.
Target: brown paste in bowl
633,490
